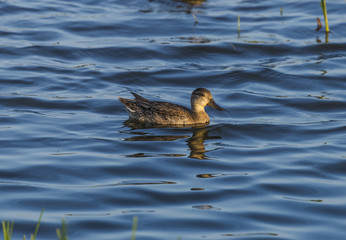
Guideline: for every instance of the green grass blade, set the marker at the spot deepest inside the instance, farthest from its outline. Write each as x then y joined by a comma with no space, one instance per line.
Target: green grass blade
58,233
7,228
64,229
11,228
38,225
62,234
134,228
4,230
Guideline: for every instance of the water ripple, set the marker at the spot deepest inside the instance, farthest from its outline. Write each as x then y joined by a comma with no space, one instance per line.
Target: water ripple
272,162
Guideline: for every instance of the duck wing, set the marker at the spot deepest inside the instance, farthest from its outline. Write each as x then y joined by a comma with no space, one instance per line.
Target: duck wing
164,112
144,110
157,106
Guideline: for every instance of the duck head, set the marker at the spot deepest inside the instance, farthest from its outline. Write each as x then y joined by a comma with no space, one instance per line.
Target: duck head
202,97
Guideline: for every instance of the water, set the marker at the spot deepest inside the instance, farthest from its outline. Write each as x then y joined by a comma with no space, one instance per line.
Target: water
272,166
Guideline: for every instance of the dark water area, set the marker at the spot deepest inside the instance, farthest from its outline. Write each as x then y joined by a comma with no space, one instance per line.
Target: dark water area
272,166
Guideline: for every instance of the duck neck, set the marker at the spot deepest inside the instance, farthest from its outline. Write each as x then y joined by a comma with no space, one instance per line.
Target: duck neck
197,108
199,114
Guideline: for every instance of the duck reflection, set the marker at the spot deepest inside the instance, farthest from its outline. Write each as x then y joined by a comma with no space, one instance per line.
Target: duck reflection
195,142
187,6
192,3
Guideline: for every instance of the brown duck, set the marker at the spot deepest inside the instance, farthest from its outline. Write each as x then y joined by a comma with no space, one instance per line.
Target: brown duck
145,111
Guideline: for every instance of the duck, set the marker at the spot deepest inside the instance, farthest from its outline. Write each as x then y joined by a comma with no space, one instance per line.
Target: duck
144,111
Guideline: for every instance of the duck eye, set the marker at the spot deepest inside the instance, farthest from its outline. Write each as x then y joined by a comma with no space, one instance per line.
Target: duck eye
199,93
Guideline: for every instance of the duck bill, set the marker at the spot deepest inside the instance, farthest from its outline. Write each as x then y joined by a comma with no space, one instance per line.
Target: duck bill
213,104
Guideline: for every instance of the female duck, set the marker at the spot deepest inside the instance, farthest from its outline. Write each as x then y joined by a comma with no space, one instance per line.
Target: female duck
145,111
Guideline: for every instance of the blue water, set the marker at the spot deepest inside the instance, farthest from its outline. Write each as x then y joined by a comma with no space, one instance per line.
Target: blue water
272,166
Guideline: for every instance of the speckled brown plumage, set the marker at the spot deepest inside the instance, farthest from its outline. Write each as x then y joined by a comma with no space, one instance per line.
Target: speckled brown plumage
163,113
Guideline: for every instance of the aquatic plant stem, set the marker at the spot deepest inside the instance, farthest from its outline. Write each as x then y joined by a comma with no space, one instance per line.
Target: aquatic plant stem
62,234
134,228
7,228
38,223
324,9
194,17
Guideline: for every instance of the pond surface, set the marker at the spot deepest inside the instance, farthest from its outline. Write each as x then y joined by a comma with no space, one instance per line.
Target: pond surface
272,166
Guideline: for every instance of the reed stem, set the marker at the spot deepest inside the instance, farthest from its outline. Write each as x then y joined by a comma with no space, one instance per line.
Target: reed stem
62,233
324,9
7,228
37,225
134,228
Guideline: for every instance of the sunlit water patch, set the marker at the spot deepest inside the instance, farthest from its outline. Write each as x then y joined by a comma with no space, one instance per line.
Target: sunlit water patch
271,166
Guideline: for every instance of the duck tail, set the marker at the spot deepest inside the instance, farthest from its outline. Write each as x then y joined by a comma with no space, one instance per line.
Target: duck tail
128,103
